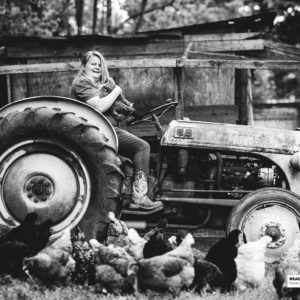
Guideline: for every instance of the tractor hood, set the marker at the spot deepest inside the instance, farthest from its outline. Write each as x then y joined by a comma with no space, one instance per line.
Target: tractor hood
220,136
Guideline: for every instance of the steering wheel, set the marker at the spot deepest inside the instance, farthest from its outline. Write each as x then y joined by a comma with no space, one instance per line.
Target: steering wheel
152,115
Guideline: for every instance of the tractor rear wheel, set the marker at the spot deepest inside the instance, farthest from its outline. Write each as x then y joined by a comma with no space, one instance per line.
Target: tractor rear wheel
60,166
269,211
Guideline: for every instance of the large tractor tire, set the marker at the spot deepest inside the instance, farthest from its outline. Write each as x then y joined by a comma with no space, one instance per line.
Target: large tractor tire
59,165
269,211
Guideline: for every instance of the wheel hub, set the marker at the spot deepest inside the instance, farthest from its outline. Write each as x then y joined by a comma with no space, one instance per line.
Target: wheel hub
276,231
39,188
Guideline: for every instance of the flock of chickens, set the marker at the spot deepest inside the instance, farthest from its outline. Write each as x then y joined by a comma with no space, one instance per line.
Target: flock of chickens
126,262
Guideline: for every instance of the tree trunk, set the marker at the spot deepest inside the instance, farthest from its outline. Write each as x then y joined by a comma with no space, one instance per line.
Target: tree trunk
95,14
108,16
140,19
79,7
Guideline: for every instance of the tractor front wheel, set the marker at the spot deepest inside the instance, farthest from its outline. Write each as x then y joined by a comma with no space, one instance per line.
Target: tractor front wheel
269,211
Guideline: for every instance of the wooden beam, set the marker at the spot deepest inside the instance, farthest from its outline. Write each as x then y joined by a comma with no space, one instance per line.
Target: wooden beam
8,87
158,63
178,86
223,46
220,36
69,66
241,64
187,50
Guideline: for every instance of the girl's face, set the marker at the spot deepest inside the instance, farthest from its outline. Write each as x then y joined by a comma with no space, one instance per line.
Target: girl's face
93,67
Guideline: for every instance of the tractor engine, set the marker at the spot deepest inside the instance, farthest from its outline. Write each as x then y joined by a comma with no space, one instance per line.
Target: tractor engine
187,175
195,171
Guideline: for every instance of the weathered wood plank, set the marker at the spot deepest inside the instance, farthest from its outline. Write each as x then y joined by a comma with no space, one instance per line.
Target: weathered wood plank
241,64
68,66
220,36
158,63
223,46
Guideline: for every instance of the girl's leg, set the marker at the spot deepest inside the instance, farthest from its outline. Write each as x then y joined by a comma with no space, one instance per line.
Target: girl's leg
138,151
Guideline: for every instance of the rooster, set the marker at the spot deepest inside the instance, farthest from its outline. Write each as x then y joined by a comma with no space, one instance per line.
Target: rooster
172,271
250,263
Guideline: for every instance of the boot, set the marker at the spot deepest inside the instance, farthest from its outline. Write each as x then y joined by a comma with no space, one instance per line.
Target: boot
140,199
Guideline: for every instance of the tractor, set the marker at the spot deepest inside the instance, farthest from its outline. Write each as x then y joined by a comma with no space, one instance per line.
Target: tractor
58,157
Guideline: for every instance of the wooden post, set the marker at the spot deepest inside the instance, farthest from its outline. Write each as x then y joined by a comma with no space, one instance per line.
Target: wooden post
8,87
243,96
178,92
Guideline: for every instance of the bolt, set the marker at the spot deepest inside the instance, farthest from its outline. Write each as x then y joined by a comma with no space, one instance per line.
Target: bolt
29,195
44,198
36,200
28,187
48,192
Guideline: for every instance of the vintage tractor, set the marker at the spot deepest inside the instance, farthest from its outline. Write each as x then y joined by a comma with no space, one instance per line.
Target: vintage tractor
58,157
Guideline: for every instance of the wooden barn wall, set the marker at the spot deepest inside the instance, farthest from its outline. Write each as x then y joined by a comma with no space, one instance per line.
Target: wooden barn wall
277,117
146,87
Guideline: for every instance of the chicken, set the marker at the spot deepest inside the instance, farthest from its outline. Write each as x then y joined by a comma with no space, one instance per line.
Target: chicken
22,241
250,263
223,253
117,233
115,269
156,240
172,271
53,263
83,255
175,240
136,244
208,277
30,232
289,264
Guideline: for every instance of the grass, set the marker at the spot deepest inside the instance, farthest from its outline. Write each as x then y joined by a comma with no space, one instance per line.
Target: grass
16,289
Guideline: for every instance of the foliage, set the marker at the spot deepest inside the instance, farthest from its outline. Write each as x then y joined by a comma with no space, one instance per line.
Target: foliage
35,17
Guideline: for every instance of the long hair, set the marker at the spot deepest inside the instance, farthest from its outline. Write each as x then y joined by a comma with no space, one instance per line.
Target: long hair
85,58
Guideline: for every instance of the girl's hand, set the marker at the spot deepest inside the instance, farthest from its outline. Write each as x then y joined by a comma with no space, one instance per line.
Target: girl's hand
110,83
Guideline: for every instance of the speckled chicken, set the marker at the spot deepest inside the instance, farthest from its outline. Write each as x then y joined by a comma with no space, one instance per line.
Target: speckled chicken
117,233
289,264
250,263
115,269
83,255
172,271
53,263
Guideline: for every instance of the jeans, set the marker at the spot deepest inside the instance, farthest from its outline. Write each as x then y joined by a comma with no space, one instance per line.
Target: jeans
135,149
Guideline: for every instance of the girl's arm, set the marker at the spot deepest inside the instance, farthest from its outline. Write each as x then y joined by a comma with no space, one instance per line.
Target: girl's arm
104,103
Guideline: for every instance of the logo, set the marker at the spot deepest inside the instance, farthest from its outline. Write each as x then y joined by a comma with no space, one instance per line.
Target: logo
293,281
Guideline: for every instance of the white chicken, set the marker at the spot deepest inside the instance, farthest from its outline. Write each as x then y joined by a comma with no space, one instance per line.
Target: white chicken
250,263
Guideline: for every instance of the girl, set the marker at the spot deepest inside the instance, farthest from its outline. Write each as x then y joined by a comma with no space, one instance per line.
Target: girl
93,85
